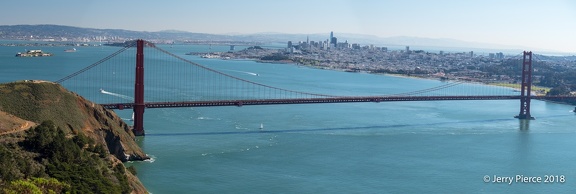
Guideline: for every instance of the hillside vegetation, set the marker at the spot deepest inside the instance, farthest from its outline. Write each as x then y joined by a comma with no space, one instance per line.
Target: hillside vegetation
39,101
78,146
79,164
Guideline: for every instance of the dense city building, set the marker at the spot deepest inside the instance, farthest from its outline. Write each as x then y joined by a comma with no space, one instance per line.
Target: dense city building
354,57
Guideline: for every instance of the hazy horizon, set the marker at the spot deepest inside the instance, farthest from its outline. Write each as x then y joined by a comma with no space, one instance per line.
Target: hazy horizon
547,25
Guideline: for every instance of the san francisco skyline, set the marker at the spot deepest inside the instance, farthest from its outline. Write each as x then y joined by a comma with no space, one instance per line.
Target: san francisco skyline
546,25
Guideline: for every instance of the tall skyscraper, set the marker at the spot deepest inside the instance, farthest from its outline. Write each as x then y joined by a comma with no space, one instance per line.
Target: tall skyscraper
331,35
333,41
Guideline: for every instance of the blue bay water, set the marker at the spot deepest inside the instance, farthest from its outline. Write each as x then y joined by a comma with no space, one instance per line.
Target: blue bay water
388,147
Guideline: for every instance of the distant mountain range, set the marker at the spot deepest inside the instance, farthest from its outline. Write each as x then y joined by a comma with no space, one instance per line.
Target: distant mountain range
70,32
59,32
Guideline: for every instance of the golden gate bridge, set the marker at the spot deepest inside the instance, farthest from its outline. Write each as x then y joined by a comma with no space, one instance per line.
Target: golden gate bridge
167,73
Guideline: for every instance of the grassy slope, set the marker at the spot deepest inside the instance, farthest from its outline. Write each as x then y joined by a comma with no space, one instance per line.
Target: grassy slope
42,101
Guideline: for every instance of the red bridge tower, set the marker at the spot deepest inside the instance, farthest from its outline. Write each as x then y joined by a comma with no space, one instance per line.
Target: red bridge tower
526,90
139,90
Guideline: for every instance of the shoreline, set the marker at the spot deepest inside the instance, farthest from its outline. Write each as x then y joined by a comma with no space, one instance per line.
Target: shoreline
536,90
516,87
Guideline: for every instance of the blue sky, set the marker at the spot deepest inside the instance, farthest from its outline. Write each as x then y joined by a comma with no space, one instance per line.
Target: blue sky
546,24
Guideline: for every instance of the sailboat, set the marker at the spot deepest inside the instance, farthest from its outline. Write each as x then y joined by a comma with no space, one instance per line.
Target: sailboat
132,116
261,126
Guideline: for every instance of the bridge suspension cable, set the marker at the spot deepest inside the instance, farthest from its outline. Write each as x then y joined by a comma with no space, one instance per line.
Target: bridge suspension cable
173,78
452,84
95,64
240,79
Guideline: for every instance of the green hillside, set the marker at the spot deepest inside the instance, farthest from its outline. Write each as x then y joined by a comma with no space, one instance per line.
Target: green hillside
79,143
42,101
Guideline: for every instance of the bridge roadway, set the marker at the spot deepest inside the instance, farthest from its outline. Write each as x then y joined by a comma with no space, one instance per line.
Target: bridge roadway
318,100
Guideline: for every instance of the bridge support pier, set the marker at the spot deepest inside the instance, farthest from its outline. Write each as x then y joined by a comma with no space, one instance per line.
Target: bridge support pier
526,90
139,106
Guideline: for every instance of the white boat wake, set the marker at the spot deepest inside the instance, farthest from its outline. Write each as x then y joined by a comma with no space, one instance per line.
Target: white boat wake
117,95
246,72
130,119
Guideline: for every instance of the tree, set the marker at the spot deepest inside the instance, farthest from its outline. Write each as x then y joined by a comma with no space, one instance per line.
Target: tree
71,161
37,186
559,90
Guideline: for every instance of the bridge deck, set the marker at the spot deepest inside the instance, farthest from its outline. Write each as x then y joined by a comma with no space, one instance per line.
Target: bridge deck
319,100
314,101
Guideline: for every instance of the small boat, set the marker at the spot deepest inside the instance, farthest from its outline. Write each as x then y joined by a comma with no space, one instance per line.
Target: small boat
70,50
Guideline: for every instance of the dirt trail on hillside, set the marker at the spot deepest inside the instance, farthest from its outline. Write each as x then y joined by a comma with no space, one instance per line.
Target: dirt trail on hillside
12,124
